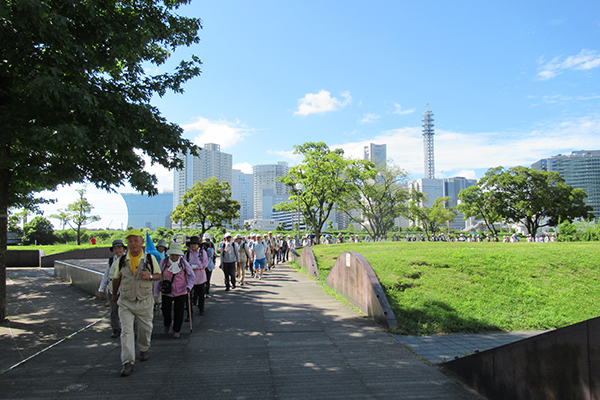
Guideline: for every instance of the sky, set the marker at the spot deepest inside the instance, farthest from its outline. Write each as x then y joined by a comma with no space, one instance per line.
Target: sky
509,82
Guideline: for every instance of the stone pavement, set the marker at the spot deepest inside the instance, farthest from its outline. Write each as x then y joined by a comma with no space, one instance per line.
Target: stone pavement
279,338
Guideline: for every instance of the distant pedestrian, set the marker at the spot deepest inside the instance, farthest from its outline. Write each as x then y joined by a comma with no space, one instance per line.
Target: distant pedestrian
209,247
229,260
198,260
259,255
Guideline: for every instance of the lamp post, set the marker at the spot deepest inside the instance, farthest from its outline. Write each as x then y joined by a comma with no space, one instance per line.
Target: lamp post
298,187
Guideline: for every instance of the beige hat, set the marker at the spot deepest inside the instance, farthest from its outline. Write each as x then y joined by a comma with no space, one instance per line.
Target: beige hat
175,249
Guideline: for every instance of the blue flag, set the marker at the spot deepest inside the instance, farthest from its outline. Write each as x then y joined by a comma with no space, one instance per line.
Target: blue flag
151,248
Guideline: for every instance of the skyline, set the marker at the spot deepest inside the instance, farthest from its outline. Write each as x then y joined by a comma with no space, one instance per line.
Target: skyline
508,83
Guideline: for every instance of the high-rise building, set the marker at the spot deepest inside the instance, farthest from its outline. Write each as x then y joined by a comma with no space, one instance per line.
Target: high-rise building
376,153
268,191
428,152
242,190
145,211
210,162
580,169
452,187
433,188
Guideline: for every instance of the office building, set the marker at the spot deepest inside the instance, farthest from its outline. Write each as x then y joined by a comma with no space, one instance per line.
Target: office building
210,162
376,153
268,190
433,188
145,211
452,187
579,169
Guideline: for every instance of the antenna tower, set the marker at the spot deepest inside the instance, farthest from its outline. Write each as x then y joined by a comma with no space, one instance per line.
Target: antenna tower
428,133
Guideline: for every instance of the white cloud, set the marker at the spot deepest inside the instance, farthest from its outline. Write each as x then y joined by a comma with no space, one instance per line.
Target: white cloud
400,111
461,154
586,59
369,118
222,132
287,155
245,167
314,103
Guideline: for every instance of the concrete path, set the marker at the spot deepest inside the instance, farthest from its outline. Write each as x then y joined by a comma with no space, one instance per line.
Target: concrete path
279,338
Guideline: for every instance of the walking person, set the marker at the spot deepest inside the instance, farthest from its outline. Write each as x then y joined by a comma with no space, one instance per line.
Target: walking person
133,292
244,256
198,260
118,248
230,257
259,256
209,248
176,270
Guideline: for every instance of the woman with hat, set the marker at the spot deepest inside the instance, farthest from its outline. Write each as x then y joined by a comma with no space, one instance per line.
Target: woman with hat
118,248
176,270
198,259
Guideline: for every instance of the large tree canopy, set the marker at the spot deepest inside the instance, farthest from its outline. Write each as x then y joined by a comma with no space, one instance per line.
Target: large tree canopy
533,198
380,198
75,96
208,204
321,180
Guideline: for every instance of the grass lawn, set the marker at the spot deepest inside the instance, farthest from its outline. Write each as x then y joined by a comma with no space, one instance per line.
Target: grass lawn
475,287
56,248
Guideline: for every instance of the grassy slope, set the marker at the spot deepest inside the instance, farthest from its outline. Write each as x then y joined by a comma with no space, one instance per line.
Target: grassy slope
474,287
56,248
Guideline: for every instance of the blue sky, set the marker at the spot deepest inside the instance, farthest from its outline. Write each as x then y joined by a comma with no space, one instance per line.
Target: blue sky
509,82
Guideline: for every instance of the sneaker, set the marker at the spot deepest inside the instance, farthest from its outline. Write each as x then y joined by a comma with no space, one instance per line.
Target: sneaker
227,289
127,369
176,334
144,355
166,330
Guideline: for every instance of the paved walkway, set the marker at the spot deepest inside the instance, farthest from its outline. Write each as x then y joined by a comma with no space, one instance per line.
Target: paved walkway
279,338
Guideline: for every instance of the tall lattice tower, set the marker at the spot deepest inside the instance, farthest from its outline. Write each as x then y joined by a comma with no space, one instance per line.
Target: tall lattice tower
428,133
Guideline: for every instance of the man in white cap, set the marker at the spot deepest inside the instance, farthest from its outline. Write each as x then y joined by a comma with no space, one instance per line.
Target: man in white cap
230,258
133,292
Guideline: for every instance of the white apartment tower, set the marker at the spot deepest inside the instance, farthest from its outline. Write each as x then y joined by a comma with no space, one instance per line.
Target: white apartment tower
268,191
209,163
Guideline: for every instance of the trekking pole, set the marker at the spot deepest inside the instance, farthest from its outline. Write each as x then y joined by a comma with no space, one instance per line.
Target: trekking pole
190,311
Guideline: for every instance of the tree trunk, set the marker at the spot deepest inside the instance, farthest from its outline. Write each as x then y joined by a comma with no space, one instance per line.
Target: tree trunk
4,178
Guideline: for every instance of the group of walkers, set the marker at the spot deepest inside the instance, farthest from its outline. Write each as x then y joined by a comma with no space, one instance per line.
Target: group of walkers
176,281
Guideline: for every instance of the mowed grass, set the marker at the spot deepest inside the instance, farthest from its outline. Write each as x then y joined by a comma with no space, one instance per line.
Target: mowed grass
476,287
56,248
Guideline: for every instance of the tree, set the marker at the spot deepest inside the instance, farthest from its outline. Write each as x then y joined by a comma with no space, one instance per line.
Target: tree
246,226
235,227
379,199
534,198
79,213
75,97
321,180
63,216
479,202
38,231
208,204
430,218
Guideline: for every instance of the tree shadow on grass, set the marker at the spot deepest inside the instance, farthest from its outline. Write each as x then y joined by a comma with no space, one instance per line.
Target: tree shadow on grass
436,317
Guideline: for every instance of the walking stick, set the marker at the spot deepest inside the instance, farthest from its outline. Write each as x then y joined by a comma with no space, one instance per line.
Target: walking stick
190,311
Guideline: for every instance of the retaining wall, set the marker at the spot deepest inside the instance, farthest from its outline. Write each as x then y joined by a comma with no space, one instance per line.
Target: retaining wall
83,278
82,254
561,364
308,262
24,258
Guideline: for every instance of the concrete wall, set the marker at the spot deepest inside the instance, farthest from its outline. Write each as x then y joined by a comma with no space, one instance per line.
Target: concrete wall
24,258
308,262
562,364
83,254
83,278
353,277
